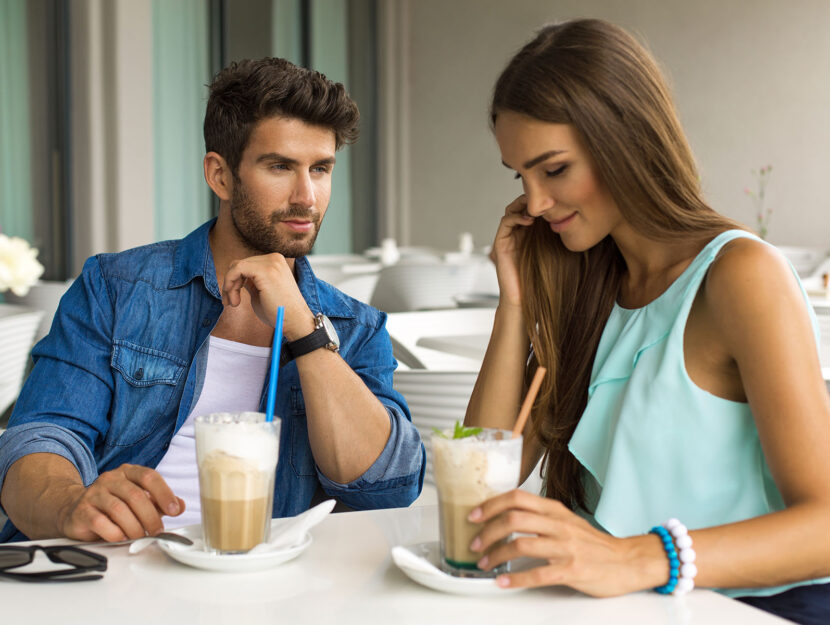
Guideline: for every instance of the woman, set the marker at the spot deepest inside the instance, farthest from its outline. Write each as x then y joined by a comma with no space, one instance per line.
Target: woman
683,376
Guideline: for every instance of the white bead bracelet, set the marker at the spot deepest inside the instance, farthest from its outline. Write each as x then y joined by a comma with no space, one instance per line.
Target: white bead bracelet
686,555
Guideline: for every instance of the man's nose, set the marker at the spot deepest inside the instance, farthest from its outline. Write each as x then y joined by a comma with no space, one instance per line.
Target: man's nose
303,192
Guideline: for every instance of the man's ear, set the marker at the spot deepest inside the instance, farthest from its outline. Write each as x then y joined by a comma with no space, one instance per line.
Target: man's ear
218,176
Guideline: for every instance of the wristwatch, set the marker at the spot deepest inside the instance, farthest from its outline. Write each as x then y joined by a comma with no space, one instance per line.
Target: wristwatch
324,335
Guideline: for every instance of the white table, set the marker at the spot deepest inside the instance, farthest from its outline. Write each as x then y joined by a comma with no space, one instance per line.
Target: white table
345,577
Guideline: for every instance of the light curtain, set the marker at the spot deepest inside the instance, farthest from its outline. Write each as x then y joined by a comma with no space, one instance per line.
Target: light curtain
181,71
15,140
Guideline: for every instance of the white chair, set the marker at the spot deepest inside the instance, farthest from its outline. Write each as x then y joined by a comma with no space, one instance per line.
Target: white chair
18,326
409,286
406,329
44,296
358,286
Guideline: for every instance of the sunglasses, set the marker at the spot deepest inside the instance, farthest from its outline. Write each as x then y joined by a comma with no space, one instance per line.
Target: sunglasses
81,561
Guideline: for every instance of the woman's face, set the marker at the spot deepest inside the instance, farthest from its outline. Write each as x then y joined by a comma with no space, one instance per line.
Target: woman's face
558,178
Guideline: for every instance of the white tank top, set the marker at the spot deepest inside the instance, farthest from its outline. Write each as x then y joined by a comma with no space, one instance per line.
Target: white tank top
234,377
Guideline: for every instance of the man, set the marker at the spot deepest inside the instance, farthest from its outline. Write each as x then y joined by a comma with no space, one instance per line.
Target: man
100,445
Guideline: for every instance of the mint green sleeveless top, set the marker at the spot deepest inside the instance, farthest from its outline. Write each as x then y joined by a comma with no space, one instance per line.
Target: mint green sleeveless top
652,443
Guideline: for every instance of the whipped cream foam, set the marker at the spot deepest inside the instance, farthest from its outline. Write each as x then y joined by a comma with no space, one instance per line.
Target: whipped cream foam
249,440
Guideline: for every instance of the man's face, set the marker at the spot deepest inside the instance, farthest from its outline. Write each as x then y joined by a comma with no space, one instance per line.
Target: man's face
283,186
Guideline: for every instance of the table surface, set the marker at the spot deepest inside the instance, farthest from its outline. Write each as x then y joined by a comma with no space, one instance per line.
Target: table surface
346,576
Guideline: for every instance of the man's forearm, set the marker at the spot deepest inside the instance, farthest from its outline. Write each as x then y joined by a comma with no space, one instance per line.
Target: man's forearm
36,491
348,427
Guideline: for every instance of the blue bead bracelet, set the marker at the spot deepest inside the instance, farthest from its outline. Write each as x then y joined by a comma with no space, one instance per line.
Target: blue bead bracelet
674,561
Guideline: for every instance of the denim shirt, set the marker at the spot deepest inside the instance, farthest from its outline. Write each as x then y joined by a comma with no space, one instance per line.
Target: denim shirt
126,356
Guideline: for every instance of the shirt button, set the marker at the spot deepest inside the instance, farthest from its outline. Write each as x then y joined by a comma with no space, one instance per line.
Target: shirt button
205,322
139,374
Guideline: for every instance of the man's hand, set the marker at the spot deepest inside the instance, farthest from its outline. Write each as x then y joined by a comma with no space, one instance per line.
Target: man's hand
127,502
270,283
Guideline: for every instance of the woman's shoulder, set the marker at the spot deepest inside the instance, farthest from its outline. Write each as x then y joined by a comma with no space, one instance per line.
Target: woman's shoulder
747,274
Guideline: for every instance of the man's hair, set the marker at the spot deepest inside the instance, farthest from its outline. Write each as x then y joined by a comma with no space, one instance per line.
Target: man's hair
247,92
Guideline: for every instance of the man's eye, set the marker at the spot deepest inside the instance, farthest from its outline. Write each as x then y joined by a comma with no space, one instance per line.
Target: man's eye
556,172
279,166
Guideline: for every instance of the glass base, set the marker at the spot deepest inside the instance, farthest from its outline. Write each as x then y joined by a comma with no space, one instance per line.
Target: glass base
470,569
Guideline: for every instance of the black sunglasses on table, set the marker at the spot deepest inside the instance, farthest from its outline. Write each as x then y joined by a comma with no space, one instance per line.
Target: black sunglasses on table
81,561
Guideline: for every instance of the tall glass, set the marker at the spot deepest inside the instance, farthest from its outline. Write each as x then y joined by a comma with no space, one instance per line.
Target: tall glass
237,457
468,471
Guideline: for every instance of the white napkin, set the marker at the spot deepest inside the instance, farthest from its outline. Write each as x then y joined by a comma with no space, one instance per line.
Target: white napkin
405,558
291,531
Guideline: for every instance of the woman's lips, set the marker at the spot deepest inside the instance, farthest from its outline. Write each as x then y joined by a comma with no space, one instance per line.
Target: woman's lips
559,226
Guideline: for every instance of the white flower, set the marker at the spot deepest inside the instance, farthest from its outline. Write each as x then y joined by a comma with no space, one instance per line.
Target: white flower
19,268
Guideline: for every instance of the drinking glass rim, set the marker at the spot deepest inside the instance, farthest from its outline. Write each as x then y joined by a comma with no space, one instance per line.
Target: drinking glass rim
446,436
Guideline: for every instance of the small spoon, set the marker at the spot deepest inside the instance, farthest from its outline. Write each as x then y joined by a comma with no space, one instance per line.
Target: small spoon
171,536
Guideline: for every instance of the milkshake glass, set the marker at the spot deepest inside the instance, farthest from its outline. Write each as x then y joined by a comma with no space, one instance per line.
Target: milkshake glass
468,471
237,457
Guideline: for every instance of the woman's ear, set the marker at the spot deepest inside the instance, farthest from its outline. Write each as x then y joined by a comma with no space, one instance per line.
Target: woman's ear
218,176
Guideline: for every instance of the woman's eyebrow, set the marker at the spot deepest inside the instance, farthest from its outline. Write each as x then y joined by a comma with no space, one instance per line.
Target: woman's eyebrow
538,159
542,157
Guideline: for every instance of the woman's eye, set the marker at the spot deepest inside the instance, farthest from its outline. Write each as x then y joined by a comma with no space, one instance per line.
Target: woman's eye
556,172
517,176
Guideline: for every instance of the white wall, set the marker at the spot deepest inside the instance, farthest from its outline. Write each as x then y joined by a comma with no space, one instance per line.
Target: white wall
751,80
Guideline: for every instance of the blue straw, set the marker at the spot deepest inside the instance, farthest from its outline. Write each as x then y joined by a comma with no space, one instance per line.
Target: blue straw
276,351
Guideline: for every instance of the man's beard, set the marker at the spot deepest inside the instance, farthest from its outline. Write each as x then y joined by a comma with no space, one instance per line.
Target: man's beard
258,232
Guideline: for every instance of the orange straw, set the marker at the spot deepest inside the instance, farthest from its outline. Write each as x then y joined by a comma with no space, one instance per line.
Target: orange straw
524,413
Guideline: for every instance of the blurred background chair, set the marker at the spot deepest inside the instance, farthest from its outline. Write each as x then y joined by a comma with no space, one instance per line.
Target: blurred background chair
418,286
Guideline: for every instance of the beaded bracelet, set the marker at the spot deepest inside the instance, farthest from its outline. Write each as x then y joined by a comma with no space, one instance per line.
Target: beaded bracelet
687,556
671,553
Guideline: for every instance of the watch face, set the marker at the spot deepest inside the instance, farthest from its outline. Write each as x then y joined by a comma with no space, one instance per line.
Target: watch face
327,324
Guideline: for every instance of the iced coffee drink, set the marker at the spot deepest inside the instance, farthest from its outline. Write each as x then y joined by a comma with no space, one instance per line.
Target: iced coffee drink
469,471
237,456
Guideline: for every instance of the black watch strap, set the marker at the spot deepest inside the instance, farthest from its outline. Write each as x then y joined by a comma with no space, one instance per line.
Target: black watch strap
294,349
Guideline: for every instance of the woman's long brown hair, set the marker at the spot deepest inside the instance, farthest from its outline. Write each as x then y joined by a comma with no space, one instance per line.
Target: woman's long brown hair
596,77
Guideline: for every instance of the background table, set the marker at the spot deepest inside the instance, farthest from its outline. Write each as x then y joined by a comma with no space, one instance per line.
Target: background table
345,577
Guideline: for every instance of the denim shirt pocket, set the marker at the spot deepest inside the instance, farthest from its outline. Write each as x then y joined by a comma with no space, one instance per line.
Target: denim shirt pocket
302,461
144,391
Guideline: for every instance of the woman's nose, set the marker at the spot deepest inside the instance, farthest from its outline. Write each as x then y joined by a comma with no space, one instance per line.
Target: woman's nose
538,202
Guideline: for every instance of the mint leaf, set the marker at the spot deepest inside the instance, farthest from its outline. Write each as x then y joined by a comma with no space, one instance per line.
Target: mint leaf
440,433
464,432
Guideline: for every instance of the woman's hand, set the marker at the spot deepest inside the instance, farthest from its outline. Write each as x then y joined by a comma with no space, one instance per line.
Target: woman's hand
576,554
505,249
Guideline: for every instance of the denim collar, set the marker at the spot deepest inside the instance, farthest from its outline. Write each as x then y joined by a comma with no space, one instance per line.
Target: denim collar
194,259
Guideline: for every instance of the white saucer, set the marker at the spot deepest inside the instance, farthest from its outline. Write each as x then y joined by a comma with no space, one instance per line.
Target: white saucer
437,579
194,555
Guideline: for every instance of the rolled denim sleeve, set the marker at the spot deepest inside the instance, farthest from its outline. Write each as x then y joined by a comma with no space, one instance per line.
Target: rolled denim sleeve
63,406
395,479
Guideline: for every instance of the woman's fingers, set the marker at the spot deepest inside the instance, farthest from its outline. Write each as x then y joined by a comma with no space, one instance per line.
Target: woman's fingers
538,547
511,522
517,499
